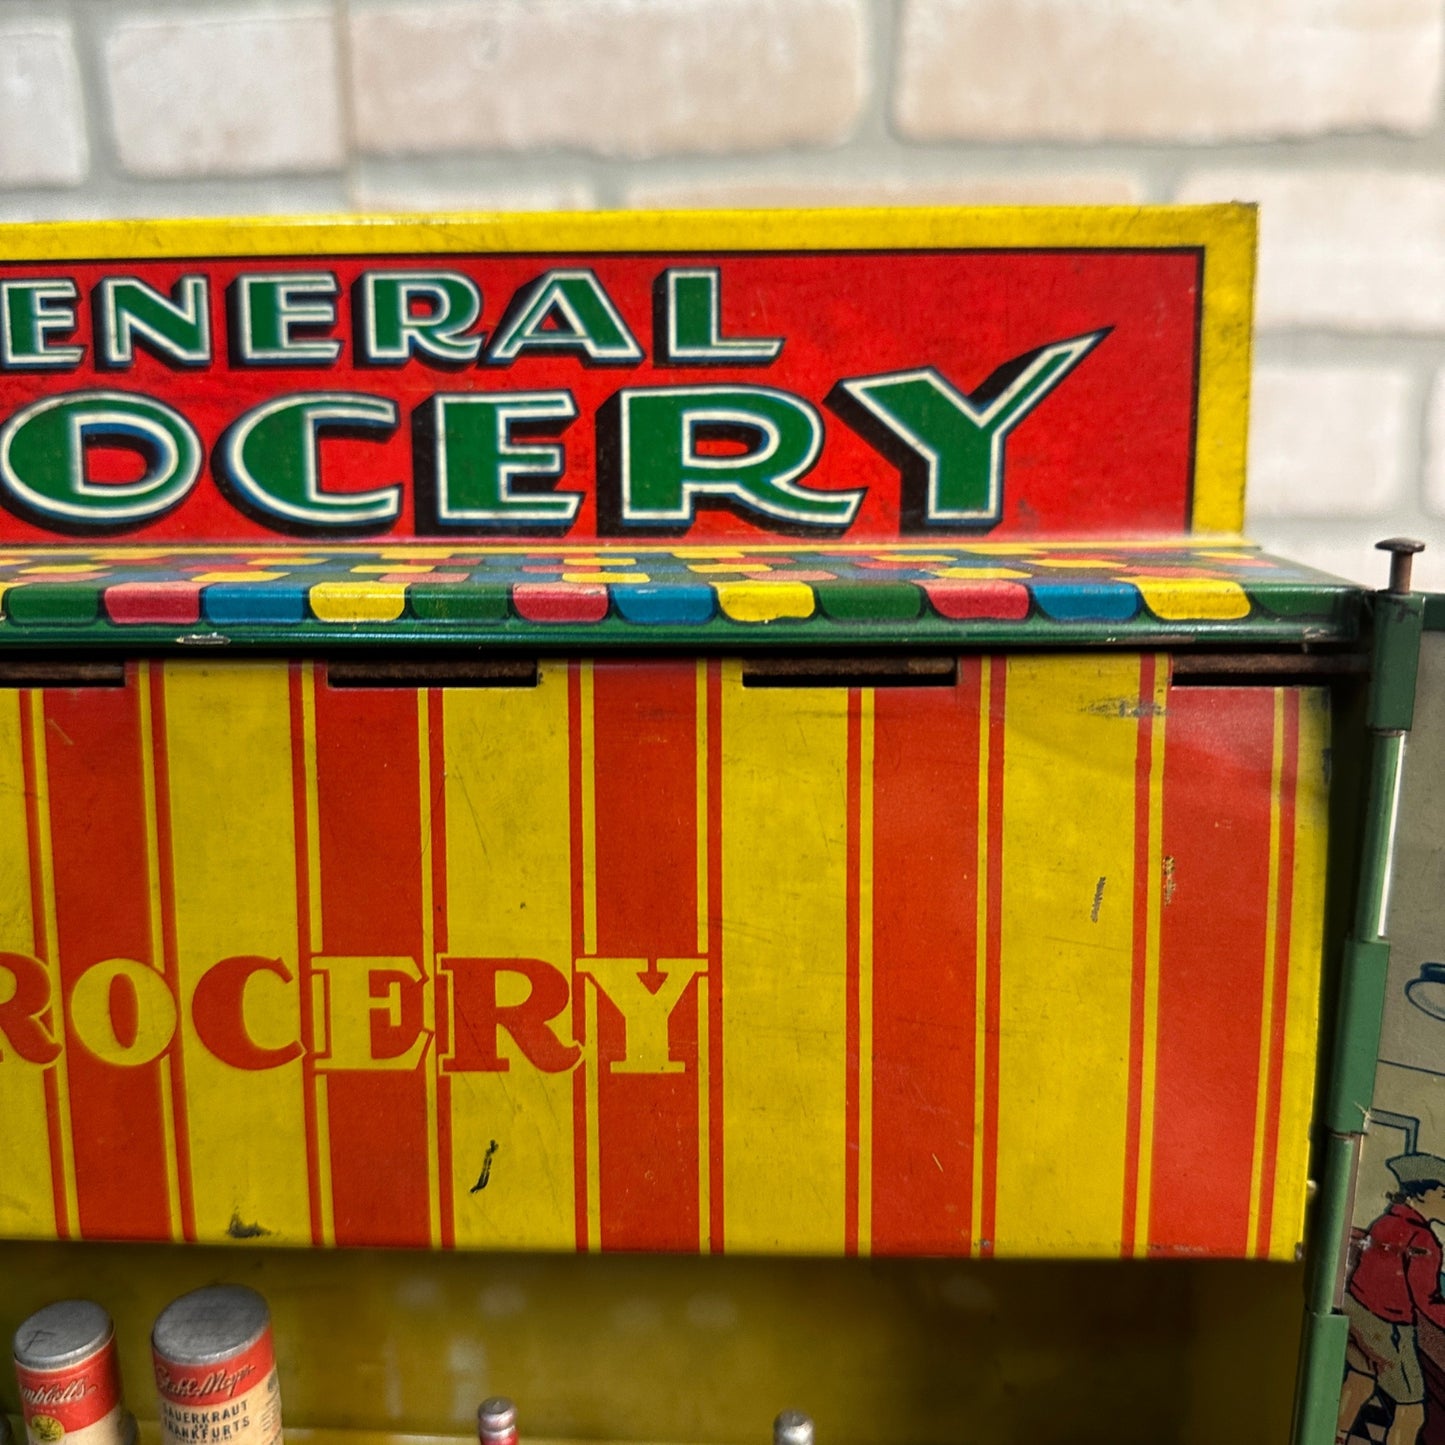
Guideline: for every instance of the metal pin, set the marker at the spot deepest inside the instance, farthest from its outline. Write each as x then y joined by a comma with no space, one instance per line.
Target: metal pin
497,1421
793,1427
1402,554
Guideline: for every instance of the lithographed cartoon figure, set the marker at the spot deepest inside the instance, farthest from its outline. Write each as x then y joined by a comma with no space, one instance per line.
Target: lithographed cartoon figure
1395,1283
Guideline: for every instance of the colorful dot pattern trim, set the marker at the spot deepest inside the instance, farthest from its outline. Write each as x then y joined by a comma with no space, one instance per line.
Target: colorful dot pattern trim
1126,591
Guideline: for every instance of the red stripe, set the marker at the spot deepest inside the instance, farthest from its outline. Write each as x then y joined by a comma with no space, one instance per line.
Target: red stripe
715,957
925,946
851,1002
1284,907
98,836
165,850
1218,748
645,752
305,946
1144,885
993,947
579,1001
371,855
53,1122
437,755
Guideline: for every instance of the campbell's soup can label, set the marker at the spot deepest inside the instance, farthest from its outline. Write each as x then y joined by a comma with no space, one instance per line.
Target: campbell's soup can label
215,1366
69,1377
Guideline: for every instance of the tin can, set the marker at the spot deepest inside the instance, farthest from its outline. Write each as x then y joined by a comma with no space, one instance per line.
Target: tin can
69,1377
215,1366
497,1421
793,1427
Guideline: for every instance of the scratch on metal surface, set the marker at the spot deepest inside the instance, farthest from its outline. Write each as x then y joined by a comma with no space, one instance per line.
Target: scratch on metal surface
1126,707
486,1173
1098,900
1170,883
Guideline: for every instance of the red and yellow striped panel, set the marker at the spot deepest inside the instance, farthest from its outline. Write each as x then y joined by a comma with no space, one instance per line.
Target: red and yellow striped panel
645,958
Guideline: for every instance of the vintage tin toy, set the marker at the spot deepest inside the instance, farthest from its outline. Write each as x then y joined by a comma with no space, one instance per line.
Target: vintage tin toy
715,735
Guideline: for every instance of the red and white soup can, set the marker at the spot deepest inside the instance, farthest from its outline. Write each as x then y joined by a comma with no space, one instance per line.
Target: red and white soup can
69,1377
215,1366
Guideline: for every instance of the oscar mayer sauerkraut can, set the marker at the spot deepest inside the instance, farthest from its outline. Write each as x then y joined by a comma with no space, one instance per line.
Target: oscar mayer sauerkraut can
69,1377
215,1367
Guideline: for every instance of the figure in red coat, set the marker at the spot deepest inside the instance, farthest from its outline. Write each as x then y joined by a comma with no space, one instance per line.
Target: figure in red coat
1395,1283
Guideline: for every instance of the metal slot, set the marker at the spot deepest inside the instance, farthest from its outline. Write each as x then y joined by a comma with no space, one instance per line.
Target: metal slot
1265,669
882,670
46,672
434,672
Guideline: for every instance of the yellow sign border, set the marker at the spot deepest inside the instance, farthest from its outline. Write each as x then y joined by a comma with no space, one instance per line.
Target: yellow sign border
1225,232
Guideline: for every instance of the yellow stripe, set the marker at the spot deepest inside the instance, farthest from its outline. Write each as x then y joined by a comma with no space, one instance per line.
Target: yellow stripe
509,895
865,973
228,746
590,1104
1154,875
1271,963
429,965
784,800
27,1202
1065,1005
980,960
704,939
41,764
156,911
321,1090
313,806
591,1062
704,1122
1306,949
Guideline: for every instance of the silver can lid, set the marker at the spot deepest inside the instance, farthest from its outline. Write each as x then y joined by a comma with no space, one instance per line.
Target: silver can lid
793,1427
496,1418
62,1334
210,1324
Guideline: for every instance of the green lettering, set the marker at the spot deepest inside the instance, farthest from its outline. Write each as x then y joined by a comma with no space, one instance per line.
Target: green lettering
43,467
177,327
689,326
949,447
393,328
270,464
565,311
474,465
29,312
670,452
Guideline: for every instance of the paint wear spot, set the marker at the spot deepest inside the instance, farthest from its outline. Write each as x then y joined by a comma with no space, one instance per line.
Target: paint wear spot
239,1229
1126,707
1098,900
1170,882
486,1173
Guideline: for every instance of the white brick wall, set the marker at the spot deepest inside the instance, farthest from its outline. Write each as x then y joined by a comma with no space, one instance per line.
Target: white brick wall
1328,112
1356,250
42,121
249,93
618,77
1327,441
1194,70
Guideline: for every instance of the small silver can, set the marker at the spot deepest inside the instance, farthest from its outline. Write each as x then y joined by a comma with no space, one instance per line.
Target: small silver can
69,1377
215,1367
497,1421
